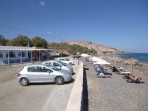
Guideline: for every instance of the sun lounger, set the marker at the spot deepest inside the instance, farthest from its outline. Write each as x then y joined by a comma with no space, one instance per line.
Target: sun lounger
102,75
119,70
133,79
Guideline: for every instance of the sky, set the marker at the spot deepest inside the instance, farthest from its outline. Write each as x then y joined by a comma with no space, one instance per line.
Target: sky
121,24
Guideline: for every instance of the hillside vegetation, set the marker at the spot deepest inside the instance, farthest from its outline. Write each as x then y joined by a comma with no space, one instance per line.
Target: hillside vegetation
70,49
100,49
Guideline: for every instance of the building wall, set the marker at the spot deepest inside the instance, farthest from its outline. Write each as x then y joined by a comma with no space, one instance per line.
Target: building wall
5,52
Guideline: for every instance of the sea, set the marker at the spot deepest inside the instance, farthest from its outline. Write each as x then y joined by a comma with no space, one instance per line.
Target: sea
142,57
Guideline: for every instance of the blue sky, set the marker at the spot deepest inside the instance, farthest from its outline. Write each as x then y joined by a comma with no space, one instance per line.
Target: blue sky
122,24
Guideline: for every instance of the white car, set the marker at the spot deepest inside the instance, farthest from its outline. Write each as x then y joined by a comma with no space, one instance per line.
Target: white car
59,65
65,60
42,74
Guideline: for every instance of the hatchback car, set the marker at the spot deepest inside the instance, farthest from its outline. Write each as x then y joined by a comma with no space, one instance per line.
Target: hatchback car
65,60
58,69
58,64
42,74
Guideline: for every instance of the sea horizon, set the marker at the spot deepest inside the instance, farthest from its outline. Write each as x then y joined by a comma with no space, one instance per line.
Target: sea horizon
142,57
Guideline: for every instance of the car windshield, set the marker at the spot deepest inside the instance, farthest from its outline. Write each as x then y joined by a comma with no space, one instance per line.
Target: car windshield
66,59
64,64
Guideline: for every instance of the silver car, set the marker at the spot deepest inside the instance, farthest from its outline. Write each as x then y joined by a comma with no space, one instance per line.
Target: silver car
65,60
59,64
42,74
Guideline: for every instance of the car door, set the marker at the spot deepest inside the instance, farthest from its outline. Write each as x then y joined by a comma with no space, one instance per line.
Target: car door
47,75
33,74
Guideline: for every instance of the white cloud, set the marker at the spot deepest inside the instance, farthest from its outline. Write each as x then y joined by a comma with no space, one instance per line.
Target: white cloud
42,3
48,32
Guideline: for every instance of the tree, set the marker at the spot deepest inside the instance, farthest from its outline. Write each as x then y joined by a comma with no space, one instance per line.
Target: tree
71,49
3,40
39,42
20,40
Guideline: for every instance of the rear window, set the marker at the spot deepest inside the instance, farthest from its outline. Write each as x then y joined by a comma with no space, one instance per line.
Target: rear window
64,64
48,63
67,59
33,69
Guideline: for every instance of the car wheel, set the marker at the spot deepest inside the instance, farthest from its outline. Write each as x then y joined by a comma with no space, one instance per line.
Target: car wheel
24,81
59,80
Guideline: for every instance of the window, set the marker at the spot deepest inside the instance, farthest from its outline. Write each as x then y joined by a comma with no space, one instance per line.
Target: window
48,63
23,54
44,69
32,69
38,69
1,55
67,59
55,64
11,54
64,59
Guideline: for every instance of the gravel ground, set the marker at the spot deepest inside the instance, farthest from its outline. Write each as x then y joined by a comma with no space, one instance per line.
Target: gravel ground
115,94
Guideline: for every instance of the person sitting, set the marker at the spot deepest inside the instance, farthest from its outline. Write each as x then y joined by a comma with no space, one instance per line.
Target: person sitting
119,70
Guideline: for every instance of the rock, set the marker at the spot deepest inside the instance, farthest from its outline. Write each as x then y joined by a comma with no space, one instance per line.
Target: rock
101,49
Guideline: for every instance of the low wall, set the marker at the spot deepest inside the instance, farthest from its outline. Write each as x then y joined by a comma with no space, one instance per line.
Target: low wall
74,103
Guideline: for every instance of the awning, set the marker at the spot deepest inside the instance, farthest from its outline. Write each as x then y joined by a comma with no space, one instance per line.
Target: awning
98,60
85,55
20,48
101,62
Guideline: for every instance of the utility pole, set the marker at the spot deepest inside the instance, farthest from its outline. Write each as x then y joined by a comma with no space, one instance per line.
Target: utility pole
61,39
61,51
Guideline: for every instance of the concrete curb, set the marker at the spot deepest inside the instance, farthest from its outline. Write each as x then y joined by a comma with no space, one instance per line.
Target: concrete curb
74,103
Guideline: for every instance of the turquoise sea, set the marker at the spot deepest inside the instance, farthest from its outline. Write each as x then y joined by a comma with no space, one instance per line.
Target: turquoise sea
142,57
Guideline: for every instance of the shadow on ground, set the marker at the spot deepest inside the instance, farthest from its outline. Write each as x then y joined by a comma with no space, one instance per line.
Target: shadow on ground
69,82
84,103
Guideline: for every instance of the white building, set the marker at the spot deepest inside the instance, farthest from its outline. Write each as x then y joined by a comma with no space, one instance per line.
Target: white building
15,54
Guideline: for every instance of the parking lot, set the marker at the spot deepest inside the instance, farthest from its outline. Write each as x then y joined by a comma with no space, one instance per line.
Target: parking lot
35,97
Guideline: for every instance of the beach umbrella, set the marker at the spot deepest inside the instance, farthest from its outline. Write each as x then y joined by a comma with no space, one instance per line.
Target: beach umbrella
101,62
85,55
132,71
95,58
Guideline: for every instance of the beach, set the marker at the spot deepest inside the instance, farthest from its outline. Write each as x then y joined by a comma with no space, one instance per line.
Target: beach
115,94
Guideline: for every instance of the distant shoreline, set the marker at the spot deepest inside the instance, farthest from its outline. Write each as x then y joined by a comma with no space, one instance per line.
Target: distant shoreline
141,57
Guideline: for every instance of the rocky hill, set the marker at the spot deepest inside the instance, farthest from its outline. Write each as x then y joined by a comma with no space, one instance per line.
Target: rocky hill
99,48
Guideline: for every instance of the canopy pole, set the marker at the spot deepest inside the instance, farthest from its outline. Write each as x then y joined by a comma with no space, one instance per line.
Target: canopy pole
21,56
8,58
39,55
31,55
